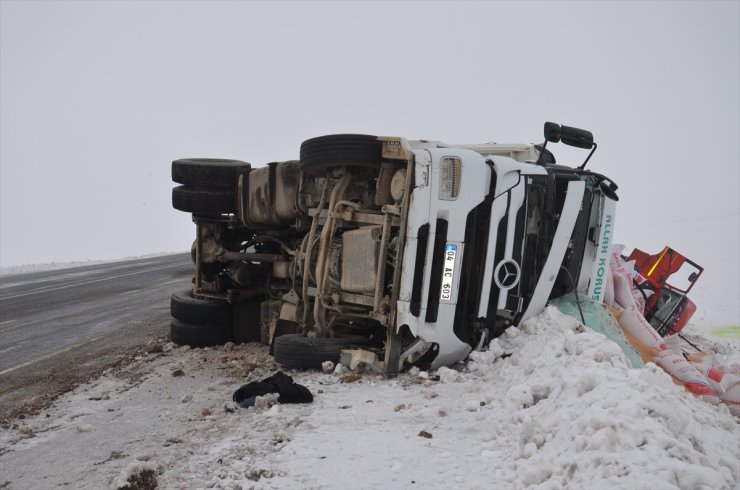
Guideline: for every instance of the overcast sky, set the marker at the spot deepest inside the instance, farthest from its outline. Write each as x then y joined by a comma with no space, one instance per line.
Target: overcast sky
97,98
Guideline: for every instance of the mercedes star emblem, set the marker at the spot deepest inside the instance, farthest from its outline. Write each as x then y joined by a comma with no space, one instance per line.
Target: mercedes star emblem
507,274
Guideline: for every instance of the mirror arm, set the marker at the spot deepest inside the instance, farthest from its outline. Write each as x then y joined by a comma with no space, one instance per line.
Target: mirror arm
542,153
588,157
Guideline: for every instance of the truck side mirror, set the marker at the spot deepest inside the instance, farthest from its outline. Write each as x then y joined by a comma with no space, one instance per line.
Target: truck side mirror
552,132
580,138
608,191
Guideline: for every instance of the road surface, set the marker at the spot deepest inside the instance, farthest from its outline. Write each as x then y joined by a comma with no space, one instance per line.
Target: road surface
58,327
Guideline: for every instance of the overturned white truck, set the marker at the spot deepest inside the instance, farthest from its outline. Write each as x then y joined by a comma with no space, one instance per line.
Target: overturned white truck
418,251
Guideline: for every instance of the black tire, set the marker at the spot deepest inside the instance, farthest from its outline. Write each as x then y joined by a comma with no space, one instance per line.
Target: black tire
199,311
203,201
208,172
356,150
183,333
299,352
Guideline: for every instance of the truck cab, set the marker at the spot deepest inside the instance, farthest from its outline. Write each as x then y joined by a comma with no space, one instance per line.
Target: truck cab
491,236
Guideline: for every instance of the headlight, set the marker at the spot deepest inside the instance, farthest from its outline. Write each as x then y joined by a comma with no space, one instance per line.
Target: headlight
450,176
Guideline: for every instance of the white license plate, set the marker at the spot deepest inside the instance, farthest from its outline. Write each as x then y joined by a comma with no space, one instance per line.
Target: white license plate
448,272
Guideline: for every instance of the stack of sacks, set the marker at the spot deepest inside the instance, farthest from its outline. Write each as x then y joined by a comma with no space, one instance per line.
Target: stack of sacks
624,275
628,304
727,385
621,298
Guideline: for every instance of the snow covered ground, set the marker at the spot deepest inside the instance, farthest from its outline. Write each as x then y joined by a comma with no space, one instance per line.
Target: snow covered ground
550,405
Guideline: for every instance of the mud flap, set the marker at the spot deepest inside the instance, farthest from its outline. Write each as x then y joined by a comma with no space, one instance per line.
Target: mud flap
392,353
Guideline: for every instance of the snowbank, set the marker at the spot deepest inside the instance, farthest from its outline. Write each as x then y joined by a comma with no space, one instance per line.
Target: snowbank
548,405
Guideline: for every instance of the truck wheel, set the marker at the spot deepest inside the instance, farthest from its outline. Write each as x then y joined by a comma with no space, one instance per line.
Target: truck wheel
208,172
355,150
204,201
183,333
200,311
297,351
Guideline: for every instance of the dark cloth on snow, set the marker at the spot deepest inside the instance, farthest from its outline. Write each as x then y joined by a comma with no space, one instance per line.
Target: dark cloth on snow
280,383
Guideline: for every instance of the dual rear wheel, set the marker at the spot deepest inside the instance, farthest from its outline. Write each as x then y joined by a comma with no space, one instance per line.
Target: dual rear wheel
208,185
200,322
208,322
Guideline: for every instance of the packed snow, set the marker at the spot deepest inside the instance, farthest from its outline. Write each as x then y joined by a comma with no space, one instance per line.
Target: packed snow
549,405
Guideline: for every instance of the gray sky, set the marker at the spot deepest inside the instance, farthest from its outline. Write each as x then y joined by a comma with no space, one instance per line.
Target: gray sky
97,98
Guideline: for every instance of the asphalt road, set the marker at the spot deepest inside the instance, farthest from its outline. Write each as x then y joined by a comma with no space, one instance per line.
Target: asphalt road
63,325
